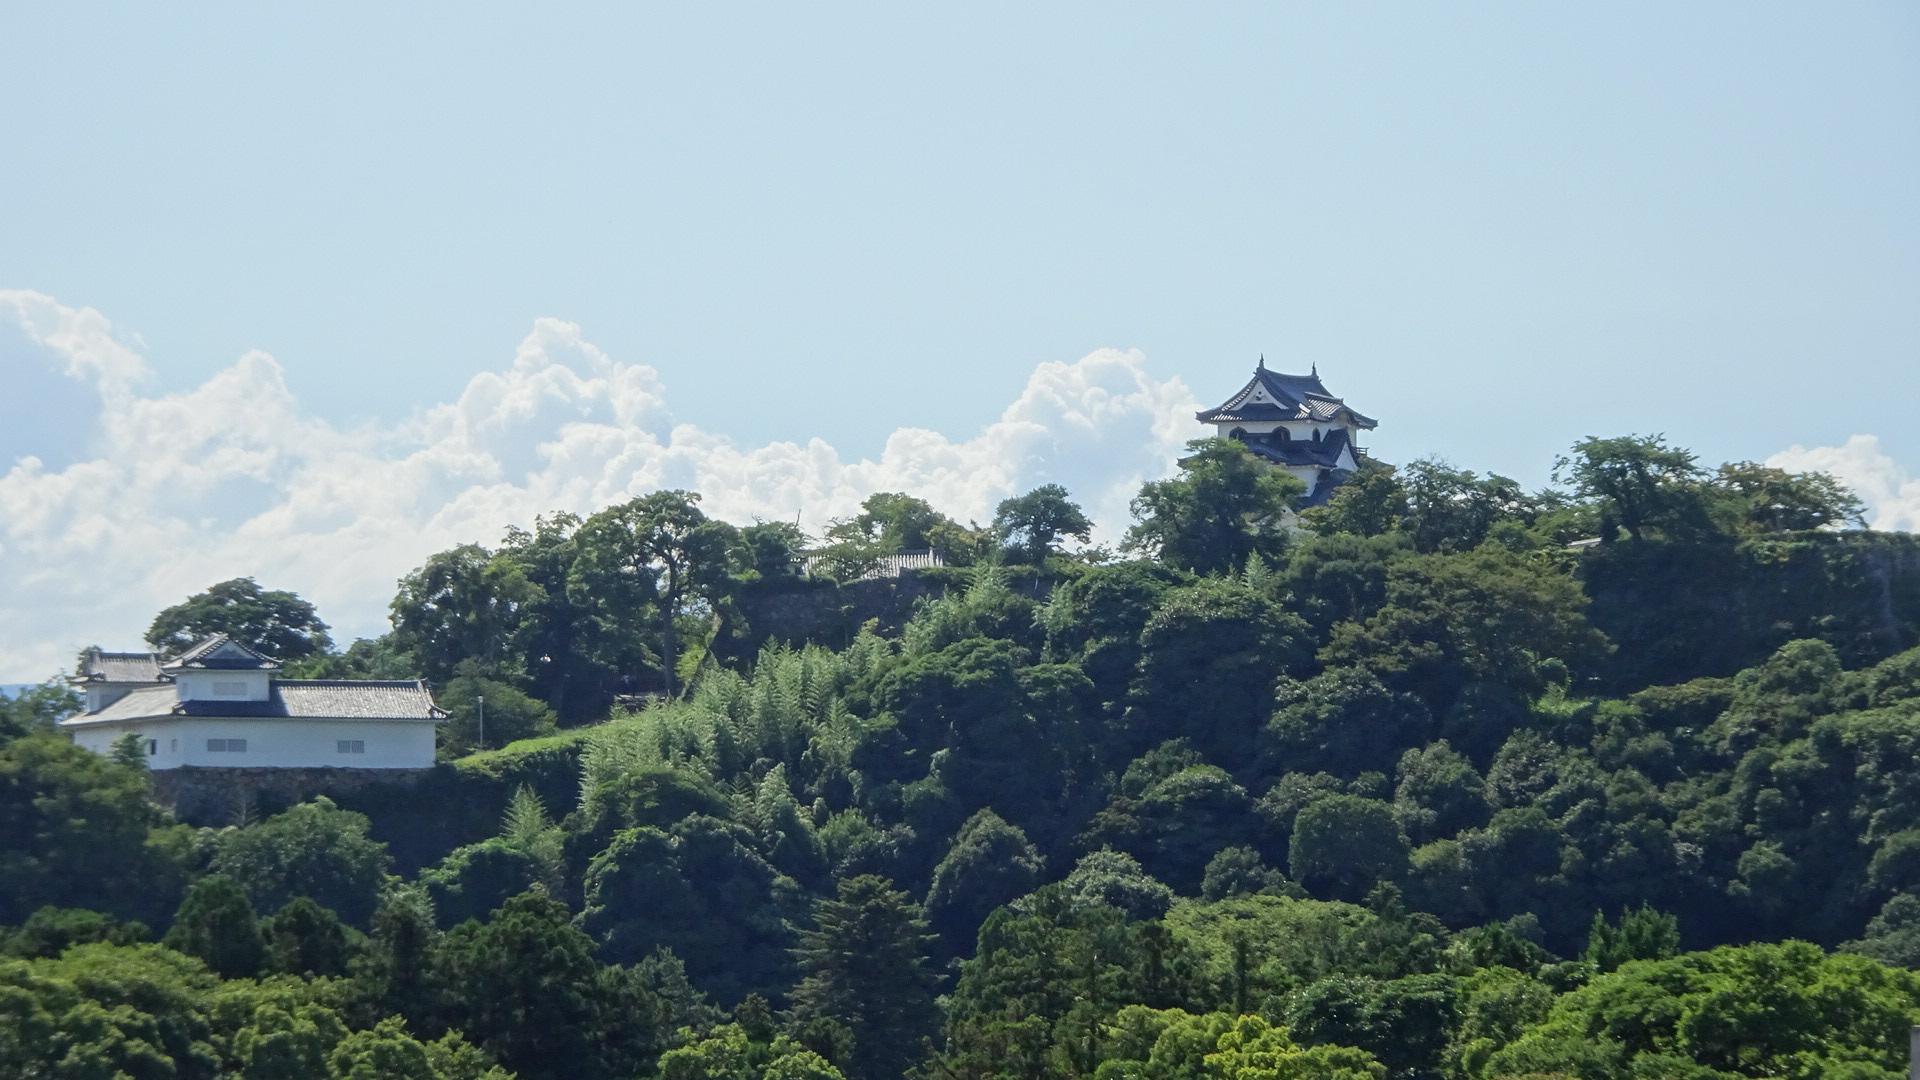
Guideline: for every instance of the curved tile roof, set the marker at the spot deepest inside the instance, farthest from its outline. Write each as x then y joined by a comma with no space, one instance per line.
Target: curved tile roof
220,652
315,699
121,667
1293,397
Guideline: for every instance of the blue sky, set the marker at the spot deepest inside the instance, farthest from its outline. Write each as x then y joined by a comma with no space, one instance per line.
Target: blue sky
1496,227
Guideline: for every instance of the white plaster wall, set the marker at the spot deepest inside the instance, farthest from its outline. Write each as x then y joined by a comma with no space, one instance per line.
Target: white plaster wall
274,743
198,685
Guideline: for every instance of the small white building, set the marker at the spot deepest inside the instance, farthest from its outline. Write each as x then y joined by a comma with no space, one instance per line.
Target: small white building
1293,422
219,704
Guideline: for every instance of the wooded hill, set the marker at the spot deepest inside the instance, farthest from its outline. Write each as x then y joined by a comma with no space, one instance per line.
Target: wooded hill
1427,786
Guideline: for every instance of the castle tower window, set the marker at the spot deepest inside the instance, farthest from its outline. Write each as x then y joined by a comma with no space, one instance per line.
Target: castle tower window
1238,433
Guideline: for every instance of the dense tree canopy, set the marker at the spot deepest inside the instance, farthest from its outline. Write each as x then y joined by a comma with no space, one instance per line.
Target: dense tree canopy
1403,786
277,623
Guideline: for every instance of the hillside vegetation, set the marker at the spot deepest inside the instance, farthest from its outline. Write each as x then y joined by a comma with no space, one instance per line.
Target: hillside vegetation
1443,779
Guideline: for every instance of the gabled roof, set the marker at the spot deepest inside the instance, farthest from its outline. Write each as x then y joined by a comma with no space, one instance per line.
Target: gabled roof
120,667
1273,396
222,653
316,699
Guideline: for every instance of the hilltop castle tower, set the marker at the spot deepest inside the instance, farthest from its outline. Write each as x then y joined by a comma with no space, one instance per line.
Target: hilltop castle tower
1292,421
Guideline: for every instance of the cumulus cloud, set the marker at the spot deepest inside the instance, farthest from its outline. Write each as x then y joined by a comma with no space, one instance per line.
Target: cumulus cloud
233,478
1891,495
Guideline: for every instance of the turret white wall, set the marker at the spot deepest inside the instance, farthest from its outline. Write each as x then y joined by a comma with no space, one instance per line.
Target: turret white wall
275,743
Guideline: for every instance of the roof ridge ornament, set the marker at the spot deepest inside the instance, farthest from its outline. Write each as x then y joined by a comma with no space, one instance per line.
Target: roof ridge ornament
1263,363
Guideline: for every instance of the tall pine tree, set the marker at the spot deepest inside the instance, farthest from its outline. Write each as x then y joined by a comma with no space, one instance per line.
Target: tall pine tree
866,968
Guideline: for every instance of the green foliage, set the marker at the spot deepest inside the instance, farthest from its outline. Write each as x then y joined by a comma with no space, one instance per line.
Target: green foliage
217,924
50,930
1775,500
1639,483
989,863
1893,936
1225,506
864,966
730,1053
1643,934
1417,691
1451,509
510,715
1112,879
1753,1010
1405,1022
1031,525
1453,620
534,998
304,938
1172,1044
700,889
277,623
314,849
893,521
129,751
462,610
1371,502
74,831
1177,821
770,549
1209,656
1345,845
1342,719
35,709
1238,871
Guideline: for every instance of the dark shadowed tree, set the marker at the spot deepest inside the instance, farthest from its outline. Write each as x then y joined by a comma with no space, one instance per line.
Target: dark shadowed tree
526,988
1225,505
1775,500
1639,481
1031,525
304,938
277,623
1345,845
74,830
989,863
866,967
463,610
654,553
218,925
313,849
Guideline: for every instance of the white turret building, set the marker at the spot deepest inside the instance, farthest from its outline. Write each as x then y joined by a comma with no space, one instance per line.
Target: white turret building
1292,421
220,704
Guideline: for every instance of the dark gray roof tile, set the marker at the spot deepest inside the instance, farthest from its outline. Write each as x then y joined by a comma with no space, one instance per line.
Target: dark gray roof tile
1295,397
290,698
143,667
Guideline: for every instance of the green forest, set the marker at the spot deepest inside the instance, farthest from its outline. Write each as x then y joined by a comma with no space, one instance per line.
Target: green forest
1444,778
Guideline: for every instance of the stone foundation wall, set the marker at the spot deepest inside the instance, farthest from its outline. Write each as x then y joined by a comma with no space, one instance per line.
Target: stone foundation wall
200,795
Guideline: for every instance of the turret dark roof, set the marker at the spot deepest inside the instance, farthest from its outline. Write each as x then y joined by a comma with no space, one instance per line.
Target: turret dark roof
289,698
119,667
1323,452
1291,397
221,653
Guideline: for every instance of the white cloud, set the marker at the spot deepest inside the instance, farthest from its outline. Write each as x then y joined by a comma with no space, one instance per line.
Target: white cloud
232,478
1892,496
